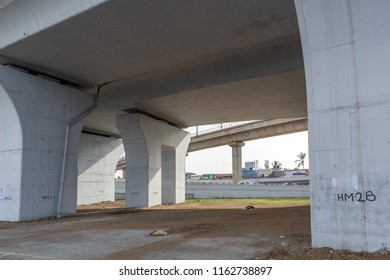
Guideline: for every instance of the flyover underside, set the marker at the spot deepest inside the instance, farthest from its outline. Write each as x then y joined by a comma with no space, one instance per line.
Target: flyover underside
199,62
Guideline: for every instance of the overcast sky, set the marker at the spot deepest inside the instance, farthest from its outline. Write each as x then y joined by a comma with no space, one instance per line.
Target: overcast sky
281,148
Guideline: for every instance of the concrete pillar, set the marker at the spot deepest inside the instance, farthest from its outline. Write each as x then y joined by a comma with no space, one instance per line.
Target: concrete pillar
98,157
237,160
34,114
155,160
347,64
123,173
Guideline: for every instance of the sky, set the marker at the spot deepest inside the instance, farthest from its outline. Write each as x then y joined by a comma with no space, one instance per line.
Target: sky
283,148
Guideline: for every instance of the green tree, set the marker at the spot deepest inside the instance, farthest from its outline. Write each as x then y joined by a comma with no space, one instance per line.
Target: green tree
276,164
301,160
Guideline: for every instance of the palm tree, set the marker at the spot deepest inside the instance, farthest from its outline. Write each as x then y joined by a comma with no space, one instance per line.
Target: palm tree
301,160
276,164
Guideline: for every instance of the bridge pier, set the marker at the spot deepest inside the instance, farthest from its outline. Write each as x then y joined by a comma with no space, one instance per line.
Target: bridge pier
34,115
345,46
237,160
155,165
97,160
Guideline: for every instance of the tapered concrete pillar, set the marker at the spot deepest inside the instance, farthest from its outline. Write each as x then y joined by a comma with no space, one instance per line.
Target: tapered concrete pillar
155,160
97,160
123,172
34,114
347,64
237,160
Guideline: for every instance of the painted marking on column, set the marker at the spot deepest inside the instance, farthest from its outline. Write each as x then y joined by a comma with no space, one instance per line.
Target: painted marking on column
48,197
358,196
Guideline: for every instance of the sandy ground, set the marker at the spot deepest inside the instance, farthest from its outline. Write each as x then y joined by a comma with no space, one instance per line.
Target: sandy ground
203,230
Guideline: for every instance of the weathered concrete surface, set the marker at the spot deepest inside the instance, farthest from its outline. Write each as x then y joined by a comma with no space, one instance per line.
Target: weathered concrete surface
156,173
345,46
36,16
97,160
34,114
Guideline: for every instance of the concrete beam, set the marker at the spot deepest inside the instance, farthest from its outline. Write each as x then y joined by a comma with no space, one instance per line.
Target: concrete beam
29,18
247,132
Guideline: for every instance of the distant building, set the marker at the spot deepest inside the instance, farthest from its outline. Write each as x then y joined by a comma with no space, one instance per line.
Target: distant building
296,173
224,176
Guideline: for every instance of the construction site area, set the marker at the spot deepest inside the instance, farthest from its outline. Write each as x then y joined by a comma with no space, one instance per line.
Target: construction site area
219,229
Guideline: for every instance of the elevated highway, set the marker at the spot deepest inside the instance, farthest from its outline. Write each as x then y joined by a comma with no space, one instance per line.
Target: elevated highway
143,70
247,132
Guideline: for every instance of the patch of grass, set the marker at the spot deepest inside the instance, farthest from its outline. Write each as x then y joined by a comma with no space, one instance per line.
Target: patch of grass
265,201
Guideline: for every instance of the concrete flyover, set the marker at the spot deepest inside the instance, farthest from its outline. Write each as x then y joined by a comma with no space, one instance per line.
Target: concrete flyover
247,132
143,70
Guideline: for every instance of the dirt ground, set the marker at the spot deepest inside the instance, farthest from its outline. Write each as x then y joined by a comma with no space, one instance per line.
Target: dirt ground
286,227
199,230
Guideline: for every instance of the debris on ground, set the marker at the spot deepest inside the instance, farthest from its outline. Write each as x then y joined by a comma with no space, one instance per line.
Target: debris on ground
189,220
250,207
158,233
383,251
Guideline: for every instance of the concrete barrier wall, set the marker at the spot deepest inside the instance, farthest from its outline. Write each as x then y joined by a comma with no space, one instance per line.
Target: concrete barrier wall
245,191
120,190
233,191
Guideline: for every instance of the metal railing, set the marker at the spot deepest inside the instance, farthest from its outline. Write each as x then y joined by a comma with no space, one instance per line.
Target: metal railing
221,126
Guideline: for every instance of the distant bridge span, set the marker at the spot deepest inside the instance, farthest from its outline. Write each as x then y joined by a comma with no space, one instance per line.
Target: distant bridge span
247,132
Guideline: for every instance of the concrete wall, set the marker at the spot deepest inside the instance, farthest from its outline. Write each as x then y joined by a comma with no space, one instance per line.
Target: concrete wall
194,190
98,157
120,190
245,191
346,52
34,113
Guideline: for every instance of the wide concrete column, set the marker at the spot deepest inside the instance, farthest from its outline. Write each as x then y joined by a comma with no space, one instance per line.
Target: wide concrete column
34,114
155,160
98,157
237,160
347,64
